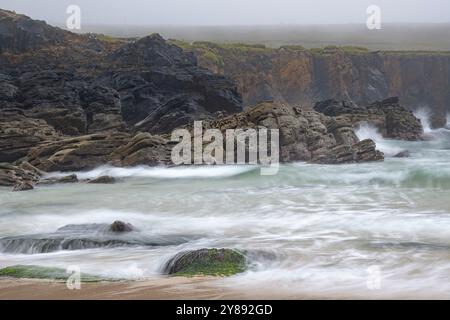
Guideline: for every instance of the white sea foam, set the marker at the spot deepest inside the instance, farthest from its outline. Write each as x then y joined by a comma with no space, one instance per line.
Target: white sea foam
203,171
424,114
368,131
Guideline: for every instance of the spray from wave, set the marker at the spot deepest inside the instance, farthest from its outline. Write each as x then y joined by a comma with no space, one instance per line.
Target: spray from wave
424,115
368,131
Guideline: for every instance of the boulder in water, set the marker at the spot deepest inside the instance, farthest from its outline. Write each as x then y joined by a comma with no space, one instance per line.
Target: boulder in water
215,262
103,180
39,272
120,226
403,154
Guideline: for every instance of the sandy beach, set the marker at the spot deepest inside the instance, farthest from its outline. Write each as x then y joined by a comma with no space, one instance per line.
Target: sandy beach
156,289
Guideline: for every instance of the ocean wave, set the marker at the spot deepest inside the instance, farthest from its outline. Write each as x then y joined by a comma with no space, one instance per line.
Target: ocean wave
191,172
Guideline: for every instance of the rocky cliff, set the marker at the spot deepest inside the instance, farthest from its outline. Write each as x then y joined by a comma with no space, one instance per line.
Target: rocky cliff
55,84
299,76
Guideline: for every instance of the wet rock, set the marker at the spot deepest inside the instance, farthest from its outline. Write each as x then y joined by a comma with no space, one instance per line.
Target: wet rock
23,186
403,154
20,177
72,178
103,180
19,134
39,272
392,120
304,135
216,262
75,154
120,226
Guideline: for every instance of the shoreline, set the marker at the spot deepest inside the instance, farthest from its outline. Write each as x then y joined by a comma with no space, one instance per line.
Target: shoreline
170,288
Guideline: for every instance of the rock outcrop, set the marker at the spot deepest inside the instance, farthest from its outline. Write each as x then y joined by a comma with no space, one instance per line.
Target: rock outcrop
392,120
58,84
300,76
216,262
304,135
21,177
19,33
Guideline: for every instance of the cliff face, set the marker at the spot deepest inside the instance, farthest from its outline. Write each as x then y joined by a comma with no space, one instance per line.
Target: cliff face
55,84
299,76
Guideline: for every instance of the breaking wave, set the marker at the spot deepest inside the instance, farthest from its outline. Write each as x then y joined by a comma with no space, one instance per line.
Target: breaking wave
188,172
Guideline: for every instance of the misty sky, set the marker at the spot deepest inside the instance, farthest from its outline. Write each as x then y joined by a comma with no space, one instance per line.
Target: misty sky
231,12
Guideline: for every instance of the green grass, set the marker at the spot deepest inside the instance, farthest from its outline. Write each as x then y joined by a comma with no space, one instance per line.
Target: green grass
39,272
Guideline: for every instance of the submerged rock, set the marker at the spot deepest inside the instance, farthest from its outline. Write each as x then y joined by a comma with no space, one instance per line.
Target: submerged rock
120,226
88,236
403,154
216,262
103,180
39,272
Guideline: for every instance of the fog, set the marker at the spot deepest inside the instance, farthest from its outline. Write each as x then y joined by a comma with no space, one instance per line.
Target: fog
232,12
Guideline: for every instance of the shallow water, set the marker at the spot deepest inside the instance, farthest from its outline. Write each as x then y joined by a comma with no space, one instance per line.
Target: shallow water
317,230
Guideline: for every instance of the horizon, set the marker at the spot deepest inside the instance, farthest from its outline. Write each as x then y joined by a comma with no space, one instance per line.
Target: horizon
233,12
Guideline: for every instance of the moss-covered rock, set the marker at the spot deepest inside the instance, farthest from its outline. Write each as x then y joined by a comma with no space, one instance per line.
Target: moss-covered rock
39,272
214,262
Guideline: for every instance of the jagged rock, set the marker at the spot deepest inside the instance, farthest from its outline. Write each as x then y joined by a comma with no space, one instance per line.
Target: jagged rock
120,226
21,177
301,76
392,120
304,135
217,262
166,87
23,186
143,148
74,154
403,154
103,180
19,33
72,178
19,133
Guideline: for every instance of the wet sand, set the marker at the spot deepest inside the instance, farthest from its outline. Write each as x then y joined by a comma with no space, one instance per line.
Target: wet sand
175,288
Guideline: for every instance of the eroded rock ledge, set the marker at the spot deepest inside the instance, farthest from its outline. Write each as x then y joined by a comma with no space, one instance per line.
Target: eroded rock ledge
392,119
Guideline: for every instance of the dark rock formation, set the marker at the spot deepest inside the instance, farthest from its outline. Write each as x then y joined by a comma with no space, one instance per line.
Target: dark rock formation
120,226
57,84
19,33
403,154
103,180
392,120
217,262
304,135
163,88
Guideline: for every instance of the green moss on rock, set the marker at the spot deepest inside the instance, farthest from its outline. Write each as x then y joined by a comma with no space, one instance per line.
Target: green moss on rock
213,262
39,272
